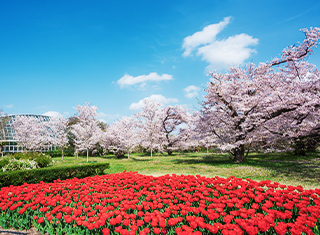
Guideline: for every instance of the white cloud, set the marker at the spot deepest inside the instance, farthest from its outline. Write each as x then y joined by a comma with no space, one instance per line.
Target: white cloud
191,88
191,91
128,80
231,51
157,98
207,35
102,114
220,53
107,118
102,120
52,114
103,117
9,106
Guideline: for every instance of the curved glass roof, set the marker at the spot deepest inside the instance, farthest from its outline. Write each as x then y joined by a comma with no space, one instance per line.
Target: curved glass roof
8,131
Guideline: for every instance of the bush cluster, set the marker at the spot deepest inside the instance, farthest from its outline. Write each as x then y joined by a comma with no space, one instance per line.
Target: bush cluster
58,153
42,159
4,161
12,164
50,174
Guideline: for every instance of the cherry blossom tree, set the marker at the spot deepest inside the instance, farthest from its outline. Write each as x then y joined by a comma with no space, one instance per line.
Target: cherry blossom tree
243,103
207,142
57,134
172,118
150,125
29,132
300,127
189,133
122,136
86,131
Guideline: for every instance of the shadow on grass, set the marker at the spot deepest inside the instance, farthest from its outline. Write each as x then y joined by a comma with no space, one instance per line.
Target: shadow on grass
286,156
132,157
109,157
148,155
141,160
89,162
306,168
211,160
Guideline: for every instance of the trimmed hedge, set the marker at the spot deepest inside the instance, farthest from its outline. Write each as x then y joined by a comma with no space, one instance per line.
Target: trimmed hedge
50,174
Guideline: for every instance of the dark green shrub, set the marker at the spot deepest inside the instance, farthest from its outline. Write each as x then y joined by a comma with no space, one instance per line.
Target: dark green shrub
3,162
58,153
55,153
16,155
50,174
24,155
44,160
119,154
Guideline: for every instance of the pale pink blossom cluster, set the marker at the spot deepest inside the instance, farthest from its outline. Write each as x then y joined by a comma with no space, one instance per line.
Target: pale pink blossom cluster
29,132
265,103
34,134
154,128
86,130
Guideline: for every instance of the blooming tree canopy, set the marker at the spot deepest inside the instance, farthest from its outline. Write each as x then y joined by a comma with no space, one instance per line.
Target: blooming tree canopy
149,124
172,118
57,132
86,130
122,136
29,132
243,103
190,134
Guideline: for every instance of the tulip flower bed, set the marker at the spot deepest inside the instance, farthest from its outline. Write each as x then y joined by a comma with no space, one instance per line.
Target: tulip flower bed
131,203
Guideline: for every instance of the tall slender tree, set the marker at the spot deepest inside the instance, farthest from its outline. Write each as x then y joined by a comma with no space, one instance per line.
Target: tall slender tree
172,117
86,131
57,134
149,124
190,134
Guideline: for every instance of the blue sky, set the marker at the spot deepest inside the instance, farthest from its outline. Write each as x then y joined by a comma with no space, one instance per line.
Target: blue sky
55,55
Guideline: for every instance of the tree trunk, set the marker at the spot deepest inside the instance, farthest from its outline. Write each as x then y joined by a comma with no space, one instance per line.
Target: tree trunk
238,154
128,155
299,147
151,147
312,144
62,154
168,148
299,151
87,155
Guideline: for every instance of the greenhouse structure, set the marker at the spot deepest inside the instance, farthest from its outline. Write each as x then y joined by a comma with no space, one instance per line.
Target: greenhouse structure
8,134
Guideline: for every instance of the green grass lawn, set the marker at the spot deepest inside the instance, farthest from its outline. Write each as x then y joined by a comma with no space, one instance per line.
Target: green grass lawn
280,167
